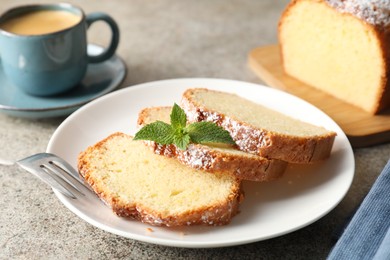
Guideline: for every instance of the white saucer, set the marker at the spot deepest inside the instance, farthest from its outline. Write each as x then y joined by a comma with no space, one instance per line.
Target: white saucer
100,79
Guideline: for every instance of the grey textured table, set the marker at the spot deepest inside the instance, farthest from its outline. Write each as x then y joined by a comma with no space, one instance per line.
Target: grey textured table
159,40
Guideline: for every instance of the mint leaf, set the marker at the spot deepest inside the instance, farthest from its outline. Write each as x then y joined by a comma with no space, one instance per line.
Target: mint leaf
178,117
180,134
158,131
182,141
208,132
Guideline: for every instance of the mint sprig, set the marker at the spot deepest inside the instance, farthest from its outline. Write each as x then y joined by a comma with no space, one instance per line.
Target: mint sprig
181,134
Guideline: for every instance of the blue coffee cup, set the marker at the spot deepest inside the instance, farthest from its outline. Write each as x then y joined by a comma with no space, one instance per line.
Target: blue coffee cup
52,62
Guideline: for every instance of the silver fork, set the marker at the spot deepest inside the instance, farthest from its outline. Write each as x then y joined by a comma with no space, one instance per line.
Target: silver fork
55,172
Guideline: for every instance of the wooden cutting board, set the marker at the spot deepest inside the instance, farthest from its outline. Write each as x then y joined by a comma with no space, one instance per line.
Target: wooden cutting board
362,128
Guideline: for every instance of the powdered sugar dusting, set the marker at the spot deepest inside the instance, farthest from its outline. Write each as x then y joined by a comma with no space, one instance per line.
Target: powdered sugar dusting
375,12
248,139
198,157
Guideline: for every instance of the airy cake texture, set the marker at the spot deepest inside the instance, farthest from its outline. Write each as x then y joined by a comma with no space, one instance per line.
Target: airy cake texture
139,184
213,157
339,47
257,129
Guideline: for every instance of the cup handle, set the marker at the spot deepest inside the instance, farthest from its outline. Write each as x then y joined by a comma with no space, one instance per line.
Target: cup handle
107,53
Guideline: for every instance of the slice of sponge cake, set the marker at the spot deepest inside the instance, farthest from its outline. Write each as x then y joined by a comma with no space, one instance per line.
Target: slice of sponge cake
214,157
341,47
139,184
257,129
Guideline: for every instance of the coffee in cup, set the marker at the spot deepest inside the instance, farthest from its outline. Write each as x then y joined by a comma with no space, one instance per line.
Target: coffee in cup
40,22
43,48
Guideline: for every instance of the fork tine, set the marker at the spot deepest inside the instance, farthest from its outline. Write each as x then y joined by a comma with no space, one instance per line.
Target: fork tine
46,178
66,167
59,173
70,171
54,171
59,181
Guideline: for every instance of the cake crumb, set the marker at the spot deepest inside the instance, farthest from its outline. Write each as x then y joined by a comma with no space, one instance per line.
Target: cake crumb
149,230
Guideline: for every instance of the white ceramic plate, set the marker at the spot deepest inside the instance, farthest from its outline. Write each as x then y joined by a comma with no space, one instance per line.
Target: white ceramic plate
302,196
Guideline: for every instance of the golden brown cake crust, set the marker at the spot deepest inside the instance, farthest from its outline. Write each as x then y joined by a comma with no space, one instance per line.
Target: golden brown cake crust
202,157
294,149
218,214
383,33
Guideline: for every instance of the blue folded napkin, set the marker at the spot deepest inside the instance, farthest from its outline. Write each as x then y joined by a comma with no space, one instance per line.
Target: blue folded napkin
367,236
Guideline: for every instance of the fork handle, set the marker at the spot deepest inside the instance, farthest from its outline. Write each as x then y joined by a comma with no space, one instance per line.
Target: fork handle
6,162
